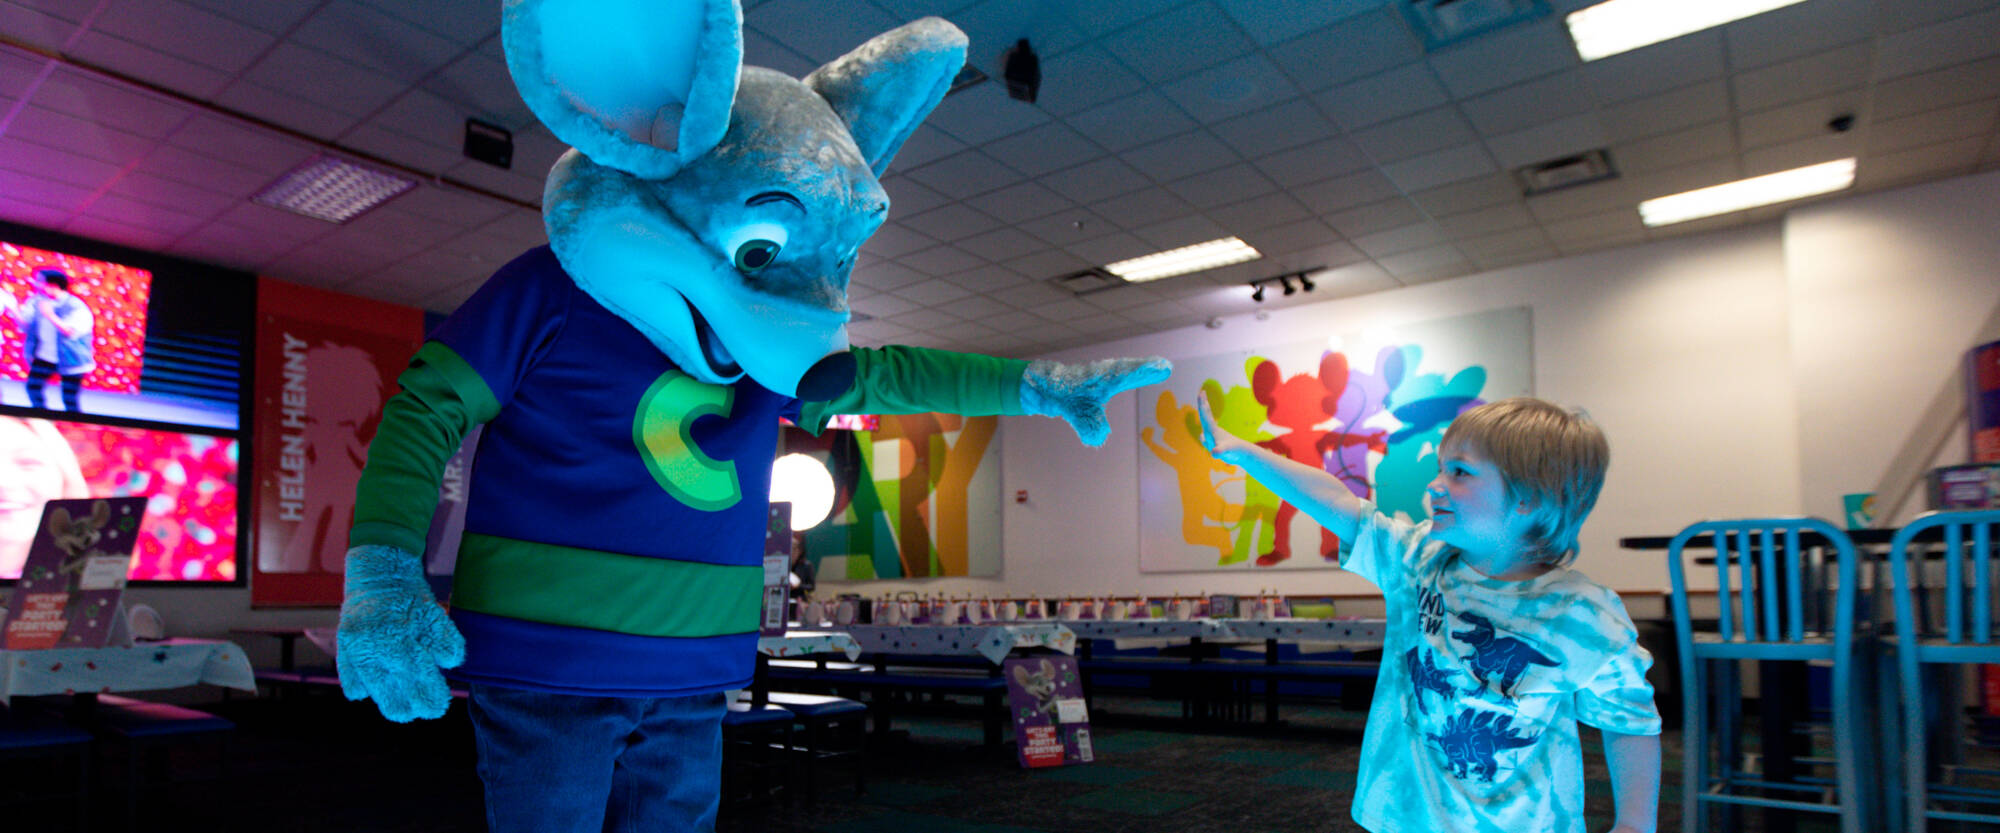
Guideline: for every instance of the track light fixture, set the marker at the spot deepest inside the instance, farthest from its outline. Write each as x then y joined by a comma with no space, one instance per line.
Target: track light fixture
1284,281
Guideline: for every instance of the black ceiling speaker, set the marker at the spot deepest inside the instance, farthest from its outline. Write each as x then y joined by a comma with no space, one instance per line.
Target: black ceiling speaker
489,143
1022,70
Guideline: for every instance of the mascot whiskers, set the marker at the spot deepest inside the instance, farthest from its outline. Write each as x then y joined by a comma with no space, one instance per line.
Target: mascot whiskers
630,377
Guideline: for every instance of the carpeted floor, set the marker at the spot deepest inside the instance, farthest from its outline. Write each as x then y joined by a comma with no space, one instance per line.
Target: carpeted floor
319,764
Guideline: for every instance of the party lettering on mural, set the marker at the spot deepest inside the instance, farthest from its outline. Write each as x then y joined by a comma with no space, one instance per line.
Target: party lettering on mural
292,456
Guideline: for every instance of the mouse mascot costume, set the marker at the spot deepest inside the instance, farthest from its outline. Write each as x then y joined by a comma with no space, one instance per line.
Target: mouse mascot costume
630,377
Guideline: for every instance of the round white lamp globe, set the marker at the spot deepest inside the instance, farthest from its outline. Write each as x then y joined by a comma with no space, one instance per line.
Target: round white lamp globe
804,482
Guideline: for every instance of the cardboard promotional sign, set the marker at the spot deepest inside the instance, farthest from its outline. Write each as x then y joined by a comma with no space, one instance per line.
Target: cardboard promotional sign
70,586
1051,725
777,569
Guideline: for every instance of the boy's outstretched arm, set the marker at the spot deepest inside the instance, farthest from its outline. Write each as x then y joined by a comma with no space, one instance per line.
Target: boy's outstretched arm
1315,492
1634,762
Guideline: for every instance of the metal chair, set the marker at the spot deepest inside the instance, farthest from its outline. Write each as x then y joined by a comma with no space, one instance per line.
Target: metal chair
1962,634
1762,585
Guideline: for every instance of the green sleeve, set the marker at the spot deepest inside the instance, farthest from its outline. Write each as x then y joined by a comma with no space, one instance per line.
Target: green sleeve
916,380
441,400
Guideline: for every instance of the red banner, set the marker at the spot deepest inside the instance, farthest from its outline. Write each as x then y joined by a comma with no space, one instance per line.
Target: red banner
325,364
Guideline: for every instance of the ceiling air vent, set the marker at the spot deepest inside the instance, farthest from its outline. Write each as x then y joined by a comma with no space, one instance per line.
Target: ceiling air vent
1569,171
1442,22
1087,281
969,76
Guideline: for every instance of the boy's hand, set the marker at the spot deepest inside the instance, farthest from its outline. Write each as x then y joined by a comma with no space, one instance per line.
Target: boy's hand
1225,446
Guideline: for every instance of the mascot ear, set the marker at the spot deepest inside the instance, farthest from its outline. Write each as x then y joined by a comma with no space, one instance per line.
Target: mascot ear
58,521
642,86
885,87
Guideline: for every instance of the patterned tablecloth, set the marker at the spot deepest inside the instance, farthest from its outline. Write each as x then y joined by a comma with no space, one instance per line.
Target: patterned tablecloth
146,666
1146,628
994,642
805,643
1355,632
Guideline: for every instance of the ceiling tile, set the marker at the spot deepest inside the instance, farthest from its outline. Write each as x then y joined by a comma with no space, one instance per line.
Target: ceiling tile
1260,211
1360,46
1502,260
1084,77
156,67
463,21
1291,124
1655,69
906,197
1938,45
74,93
1941,125
402,150
1431,130
1240,86
1098,251
1347,281
1142,208
1276,21
1179,42
965,175
1674,149
1813,75
993,26
887,276
976,308
1930,161
1424,263
1515,108
1545,142
807,29
1579,200
1399,240
1930,90
939,260
1131,121
1178,157
924,319
1030,295
987,279
184,31
395,49
1795,31
1410,88
1020,203
1000,244
1096,180
1069,226
933,292
1595,227
245,147
1478,192
1231,184
1490,246
895,239
1811,150
53,164
982,113
1046,264
285,110
1508,56
1313,163
1800,119
1374,217
230,245
1677,110
925,145
760,50
35,189
481,87
1181,231
1440,168
190,200
1050,147
79,136
111,231
1484,221
1343,192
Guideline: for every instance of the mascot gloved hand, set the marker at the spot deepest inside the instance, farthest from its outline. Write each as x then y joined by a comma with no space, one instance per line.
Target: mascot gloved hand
394,637
1076,393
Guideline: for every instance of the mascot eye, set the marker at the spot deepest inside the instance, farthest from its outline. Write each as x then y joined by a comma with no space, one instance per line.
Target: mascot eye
754,255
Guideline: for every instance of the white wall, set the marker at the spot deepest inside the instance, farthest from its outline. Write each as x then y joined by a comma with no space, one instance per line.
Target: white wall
1763,370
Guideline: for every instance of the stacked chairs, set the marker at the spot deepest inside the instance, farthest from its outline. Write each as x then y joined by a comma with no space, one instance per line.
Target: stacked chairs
757,742
835,730
1764,589
1962,633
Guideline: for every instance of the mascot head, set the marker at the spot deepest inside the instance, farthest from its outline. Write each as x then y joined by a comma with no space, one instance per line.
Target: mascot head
718,207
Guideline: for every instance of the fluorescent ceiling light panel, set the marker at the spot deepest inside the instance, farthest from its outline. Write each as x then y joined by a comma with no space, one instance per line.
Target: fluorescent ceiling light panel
1748,193
1184,260
332,189
1623,25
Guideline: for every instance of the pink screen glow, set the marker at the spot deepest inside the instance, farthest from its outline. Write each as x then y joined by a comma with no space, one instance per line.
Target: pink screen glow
117,296
189,532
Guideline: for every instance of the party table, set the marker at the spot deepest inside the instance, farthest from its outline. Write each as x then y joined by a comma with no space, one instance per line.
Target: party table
146,666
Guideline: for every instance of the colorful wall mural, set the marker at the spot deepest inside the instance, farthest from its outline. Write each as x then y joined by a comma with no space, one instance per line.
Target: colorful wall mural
1369,408
916,497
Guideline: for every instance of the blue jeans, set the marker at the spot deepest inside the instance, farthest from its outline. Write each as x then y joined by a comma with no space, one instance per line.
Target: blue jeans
567,763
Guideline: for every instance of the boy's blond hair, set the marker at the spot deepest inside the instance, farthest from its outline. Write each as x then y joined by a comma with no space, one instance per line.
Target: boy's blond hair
1551,458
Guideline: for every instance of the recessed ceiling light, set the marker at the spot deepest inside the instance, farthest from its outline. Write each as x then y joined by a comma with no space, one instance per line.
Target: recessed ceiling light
1748,193
1183,260
1616,26
332,189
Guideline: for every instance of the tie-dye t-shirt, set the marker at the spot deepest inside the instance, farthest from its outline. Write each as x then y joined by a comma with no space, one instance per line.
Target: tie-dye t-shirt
1482,684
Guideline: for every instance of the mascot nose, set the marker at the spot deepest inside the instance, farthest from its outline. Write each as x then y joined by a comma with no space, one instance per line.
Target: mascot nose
829,377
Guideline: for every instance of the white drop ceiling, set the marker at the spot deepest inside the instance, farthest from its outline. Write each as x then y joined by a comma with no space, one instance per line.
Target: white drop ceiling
1321,131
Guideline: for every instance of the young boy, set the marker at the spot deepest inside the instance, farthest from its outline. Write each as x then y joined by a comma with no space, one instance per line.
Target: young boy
1495,650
